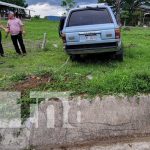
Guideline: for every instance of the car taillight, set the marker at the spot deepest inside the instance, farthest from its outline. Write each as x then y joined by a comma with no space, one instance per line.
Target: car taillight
64,38
117,33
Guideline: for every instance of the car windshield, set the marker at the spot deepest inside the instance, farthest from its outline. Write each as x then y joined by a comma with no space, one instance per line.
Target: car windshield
89,17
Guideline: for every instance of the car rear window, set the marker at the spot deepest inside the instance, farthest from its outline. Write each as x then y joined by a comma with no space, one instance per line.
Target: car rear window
89,17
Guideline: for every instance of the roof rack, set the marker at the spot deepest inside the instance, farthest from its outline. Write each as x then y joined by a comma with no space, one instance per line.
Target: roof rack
92,5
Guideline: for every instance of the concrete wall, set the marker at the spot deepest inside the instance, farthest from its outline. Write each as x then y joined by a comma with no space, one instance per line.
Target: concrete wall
88,123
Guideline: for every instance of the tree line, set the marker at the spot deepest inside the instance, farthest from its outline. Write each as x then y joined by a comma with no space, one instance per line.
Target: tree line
126,10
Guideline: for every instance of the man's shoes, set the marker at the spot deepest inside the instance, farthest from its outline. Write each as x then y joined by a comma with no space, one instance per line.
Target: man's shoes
24,54
1,63
19,54
2,55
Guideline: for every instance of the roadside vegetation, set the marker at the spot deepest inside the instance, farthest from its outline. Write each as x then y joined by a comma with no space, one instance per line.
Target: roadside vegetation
51,70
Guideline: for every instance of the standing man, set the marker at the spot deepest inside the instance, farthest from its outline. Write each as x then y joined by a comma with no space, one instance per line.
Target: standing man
15,28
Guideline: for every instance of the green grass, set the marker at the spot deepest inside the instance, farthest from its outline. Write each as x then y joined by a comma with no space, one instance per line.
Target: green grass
109,77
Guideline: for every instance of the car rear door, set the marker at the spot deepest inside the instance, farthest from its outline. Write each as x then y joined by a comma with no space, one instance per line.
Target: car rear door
90,25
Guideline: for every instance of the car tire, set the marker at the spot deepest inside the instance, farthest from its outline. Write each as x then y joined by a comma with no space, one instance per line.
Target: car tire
75,57
120,55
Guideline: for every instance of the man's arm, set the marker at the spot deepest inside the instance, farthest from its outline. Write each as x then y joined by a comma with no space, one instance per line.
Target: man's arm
8,28
2,27
21,26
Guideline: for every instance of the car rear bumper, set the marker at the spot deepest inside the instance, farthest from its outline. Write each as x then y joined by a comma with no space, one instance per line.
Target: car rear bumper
94,48
91,51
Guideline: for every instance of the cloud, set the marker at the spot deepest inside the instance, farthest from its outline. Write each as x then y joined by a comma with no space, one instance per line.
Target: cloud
58,2
51,7
45,9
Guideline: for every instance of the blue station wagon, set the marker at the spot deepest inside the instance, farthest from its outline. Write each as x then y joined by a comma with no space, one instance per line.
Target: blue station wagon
90,29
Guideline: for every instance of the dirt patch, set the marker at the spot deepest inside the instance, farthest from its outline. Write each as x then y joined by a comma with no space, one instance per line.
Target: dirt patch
32,82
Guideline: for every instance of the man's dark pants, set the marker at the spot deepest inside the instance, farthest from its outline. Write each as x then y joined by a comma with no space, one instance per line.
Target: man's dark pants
1,47
18,40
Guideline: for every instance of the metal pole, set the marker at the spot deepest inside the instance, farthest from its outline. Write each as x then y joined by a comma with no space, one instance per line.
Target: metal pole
44,41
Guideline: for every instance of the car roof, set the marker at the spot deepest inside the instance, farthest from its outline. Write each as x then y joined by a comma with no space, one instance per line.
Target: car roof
101,5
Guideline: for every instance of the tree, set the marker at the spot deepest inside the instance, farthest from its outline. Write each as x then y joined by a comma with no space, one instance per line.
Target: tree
124,17
17,2
110,2
116,4
129,6
68,4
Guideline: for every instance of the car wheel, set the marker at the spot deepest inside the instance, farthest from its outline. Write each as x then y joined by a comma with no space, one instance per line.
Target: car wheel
120,55
75,57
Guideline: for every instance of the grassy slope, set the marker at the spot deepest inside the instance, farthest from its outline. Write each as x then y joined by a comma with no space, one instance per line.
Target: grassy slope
131,76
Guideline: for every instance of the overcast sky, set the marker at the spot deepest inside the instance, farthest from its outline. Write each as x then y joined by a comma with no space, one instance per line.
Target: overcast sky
51,7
